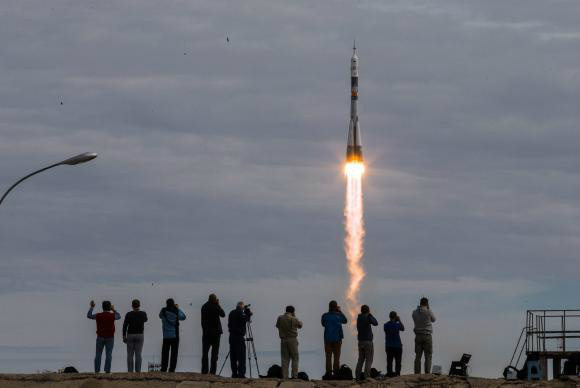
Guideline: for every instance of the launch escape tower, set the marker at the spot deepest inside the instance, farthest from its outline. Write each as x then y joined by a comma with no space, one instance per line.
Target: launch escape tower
550,334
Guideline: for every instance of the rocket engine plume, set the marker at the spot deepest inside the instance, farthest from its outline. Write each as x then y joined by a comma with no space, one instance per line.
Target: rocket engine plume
354,235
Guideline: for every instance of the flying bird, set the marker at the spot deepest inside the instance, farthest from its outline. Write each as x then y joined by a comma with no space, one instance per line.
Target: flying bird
228,39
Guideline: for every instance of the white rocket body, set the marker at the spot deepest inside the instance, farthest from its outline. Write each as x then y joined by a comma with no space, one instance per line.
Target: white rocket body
354,144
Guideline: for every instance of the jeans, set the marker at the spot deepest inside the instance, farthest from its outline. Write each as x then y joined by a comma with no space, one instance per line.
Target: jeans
208,342
423,344
289,351
365,356
397,355
134,349
107,344
238,355
332,349
169,344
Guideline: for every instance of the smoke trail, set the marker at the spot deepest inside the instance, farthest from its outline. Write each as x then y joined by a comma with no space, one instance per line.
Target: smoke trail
354,235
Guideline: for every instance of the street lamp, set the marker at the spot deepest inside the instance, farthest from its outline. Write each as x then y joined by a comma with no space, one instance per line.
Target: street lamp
81,158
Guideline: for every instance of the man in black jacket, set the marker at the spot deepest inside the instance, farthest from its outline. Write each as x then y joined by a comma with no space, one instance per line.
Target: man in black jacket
237,326
212,330
133,327
365,341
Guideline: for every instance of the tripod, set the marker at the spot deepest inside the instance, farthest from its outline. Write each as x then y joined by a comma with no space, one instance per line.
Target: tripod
250,349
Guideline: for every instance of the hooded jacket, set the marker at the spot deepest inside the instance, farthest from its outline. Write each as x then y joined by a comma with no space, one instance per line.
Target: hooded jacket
170,322
423,317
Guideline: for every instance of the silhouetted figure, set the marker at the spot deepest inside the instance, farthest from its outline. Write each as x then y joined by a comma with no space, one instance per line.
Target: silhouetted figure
237,320
211,326
170,316
133,330
105,333
333,335
423,317
393,344
366,349
288,326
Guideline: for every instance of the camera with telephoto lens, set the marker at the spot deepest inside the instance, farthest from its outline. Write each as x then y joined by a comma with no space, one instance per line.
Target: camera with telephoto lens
247,311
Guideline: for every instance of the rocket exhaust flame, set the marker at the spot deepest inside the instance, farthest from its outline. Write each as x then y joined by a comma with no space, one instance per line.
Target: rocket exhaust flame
354,235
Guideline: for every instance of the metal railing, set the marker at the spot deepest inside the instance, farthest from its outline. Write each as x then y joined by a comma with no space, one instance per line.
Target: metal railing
552,331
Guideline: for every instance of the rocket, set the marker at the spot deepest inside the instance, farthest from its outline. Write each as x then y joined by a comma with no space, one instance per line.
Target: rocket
354,144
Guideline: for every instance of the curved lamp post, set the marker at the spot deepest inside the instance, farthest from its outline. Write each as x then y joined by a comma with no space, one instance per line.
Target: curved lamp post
82,158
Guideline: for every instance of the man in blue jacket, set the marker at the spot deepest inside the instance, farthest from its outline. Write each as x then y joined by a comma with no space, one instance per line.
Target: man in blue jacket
332,322
170,316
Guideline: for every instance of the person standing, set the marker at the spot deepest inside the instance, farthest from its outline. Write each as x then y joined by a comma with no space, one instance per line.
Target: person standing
365,341
333,335
170,316
133,328
393,344
237,320
288,325
105,333
211,326
423,318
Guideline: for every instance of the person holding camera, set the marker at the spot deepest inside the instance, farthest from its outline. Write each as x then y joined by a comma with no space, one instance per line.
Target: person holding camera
170,316
211,326
393,344
133,328
423,318
333,335
365,342
105,333
288,326
237,320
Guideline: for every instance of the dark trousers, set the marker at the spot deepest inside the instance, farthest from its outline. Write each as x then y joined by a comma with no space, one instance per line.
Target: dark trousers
208,342
332,353
397,355
238,355
169,344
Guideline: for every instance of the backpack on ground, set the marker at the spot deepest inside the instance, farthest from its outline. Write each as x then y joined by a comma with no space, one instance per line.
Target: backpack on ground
275,372
70,369
303,376
344,373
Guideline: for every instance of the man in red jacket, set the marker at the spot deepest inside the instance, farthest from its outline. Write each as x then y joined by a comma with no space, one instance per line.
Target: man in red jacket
105,333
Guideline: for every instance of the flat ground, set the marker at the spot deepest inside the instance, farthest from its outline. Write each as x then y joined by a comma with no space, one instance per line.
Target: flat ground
194,380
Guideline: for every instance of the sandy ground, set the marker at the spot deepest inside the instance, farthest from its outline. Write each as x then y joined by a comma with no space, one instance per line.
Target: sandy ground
194,380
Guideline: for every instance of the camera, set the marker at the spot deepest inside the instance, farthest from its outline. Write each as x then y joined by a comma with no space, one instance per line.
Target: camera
247,311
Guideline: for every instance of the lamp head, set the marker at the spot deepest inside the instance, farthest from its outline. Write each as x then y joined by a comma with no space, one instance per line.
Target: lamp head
81,158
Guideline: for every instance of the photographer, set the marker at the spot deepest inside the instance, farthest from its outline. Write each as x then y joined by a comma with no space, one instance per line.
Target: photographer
393,344
211,326
170,316
333,335
237,320
288,326
365,341
105,333
423,318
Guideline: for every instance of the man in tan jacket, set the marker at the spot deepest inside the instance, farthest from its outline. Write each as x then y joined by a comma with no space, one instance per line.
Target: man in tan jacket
288,326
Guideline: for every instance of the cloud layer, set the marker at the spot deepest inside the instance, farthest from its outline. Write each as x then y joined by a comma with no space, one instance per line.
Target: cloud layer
220,162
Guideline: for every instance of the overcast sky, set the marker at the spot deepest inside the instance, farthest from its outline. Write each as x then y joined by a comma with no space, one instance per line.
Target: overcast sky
219,167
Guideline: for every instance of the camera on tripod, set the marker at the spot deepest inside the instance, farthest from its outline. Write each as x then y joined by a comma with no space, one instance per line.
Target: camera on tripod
248,338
